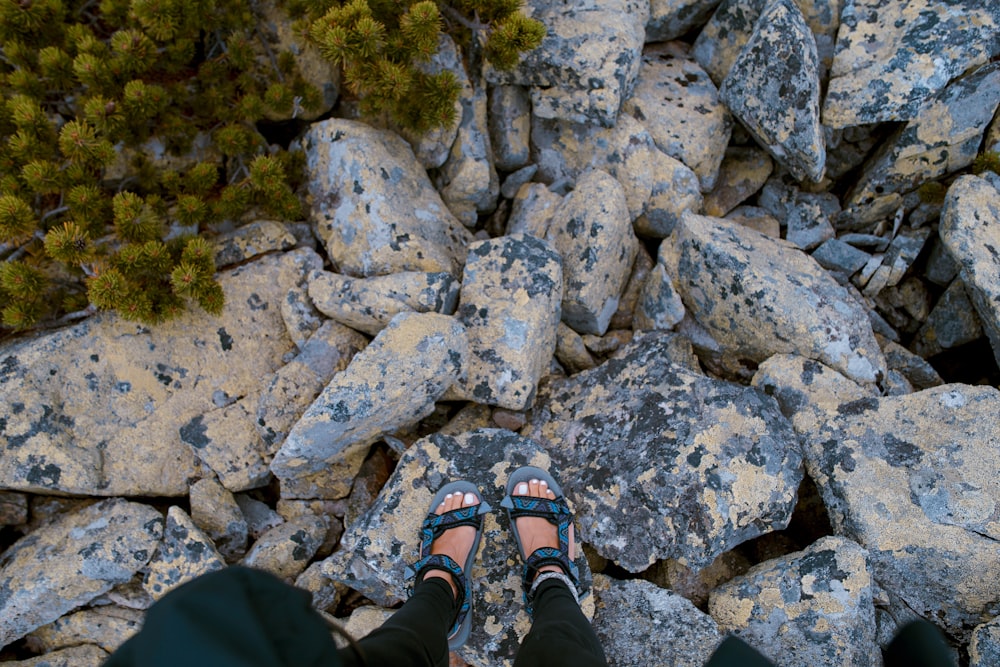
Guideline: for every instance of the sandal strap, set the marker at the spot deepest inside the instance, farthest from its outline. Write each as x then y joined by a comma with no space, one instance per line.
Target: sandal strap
434,525
544,508
445,563
543,556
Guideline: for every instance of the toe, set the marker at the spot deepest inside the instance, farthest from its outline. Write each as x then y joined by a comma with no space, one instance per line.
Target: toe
522,489
469,499
533,488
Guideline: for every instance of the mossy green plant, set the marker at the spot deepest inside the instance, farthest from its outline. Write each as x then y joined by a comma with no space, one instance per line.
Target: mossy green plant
84,81
986,161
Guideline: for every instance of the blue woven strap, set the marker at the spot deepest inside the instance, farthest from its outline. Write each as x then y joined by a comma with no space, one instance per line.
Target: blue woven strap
556,512
435,524
418,571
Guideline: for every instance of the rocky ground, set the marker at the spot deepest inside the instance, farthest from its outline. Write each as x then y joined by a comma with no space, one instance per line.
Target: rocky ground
686,250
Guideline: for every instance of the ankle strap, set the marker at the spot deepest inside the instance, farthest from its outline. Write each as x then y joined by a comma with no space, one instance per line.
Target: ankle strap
546,576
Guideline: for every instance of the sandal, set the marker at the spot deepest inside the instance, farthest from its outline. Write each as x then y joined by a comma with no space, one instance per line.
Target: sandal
556,512
432,528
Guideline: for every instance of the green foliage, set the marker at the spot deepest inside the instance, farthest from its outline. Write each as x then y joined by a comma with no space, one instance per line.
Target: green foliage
380,43
986,161
932,192
81,82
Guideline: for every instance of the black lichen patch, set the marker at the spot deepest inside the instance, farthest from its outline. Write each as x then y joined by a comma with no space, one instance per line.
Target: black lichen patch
195,433
41,473
225,340
50,423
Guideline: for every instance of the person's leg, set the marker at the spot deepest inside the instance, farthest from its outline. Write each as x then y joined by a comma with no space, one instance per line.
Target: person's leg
417,634
560,633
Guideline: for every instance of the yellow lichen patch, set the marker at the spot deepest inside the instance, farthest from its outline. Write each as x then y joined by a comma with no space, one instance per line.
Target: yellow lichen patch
732,614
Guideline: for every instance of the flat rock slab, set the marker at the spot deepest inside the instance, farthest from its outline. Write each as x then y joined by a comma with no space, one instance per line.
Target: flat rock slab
773,88
970,229
915,479
666,463
392,383
758,297
811,607
185,553
377,547
891,56
72,560
374,206
95,409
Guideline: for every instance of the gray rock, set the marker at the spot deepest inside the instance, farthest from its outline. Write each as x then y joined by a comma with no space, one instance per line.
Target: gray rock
676,101
512,184
510,308
297,384
592,232
13,508
368,304
659,306
902,252
94,409
252,240
330,511
392,383
215,511
571,351
970,229
914,479
72,560
432,147
374,206
643,264
87,655
301,318
640,623
812,607
130,595
941,269
724,36
259,517
943,137
743,172
509,124
843,154
773,89
916,370
891,57
227,442
953,322
326,593
377,547
710,464
185,553
871,242
835,255
759,297
810,219
757,219
285,550
657,187
532,210
106,627
670,19
984,649
587,63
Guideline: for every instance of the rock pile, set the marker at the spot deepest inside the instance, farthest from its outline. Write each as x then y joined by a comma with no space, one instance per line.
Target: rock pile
692,256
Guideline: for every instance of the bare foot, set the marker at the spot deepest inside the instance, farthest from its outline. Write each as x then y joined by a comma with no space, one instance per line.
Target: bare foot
454,542
537,532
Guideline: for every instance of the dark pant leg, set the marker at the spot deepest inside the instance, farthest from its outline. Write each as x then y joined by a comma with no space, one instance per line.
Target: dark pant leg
918,644
416,635
560,633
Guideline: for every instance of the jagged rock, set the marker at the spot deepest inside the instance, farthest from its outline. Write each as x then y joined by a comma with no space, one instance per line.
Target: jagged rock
571,350
326,593
329,510
468,181
659,306
185,553
285,550
532,210
130,595
587,63
252,240
943,137
835,255
259,516
773,89
643,264
371,477
941,269
760,297
609,343
512,184
757,219
94,409
890,57
377,547
301,318
724,36
510,126
676,101
13,508
639,623
810,219
510,299
214,510
812,607
916,480
670,19
743,172
227,442
710,464
848,148
902,253
297,384
984,649
953,322
696,586
374,206
87,655
592,232
657,187
391,383
919,373
107,627
72,560
970,229
368,304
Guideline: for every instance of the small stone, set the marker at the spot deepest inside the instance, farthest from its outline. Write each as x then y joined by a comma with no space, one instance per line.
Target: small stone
809,219
214,510
952,322
571,350
532,209
259,517
836,255
227,441
331,511
743,172
510,126
251,240
757,219
872,242
670,19
512,184
723,37
643,264
941,268
285,550
107,627
185,554
916,370
660,306
13,508
609,343
371,477
512,421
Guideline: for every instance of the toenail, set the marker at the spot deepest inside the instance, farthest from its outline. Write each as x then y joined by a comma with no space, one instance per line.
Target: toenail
522,489
469,498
